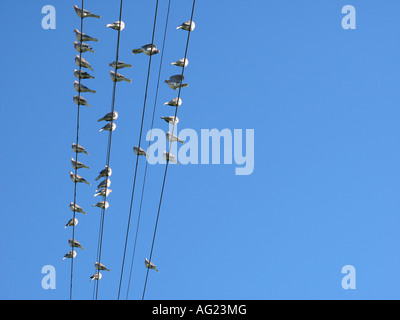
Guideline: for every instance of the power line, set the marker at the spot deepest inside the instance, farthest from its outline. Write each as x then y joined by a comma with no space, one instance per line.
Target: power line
166,167
137,157
151,131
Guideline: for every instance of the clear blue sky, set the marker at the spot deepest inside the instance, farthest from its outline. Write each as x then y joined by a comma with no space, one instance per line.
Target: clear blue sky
323,102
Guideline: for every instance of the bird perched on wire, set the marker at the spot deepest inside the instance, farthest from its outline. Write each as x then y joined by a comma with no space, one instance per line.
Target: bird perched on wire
120,65
181,63
100,266
84,13
139,151
103,192
81,62
78,178
76,208
104,184
82,47
82,75
148,49
176,102
84,37
96,276
79,149
109,127
106,172
173,138
188,26
71,254
175,82
149,265
169,157
111,116
71,223
117,25
116,77
81,88
171,120
102,205
78,165
81,101
75,244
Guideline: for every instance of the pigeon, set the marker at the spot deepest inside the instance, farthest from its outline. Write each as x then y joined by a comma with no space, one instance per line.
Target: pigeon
81,101
169,157
77,178
82,47
116,77
84,13
81,88
79,149
149,265
109,127
175,82
181,63
117,25
102,205
104,184
103,192
171,120
96,276
104,173
78,165
76,208
100,266
83,37
188,26
70,254
139,151
80,62
82,74
111,116
71,223
120,65
75,244
174,102
148,49
172,138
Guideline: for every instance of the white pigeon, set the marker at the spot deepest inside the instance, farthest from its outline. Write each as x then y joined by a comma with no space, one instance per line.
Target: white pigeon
81,88
149,265
104,184
117,25
96,276
82,47
120,65
75,244
71,223
148,49
175,82
84,13
169,157
100,266
111,116
78,178
188,26
80,62
173,138
181,63
116,77
70,255
104,173
78,165
81,101
103,192
171,120
83,37
76,208
102,205
139,151
79,149
109,127
176,102
82,74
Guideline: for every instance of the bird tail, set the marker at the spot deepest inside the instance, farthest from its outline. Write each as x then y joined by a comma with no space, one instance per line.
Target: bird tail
85,152
96,16
100,120
173,64
101,130
64,258
97,179
94,39
181,141
92,91
92,51
180,27
128,80
136,51
88,183
90,68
